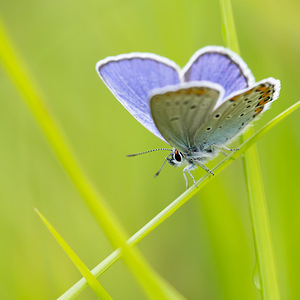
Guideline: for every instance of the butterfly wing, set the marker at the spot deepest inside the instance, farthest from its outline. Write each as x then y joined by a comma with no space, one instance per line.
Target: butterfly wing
220,65
179,111
238,110
130,77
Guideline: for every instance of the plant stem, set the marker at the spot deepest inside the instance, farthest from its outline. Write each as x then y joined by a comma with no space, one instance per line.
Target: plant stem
260,226
256,195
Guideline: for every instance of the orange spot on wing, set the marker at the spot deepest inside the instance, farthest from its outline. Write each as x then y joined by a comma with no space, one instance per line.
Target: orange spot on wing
180,92
258,110
234,98
264,100
200,91
261,89
249,92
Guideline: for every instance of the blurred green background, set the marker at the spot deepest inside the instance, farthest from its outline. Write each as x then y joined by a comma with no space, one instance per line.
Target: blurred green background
206,248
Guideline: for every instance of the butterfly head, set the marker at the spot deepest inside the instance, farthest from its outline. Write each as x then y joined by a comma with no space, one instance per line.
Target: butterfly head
176,158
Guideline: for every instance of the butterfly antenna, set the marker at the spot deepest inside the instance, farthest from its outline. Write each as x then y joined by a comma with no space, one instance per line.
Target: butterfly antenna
131,155
157,173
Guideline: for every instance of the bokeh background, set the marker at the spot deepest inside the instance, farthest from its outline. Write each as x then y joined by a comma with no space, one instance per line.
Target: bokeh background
206,248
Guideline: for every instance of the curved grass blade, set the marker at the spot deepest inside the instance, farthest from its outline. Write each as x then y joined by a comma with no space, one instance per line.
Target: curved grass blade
153,284
256,195
82,268
176,204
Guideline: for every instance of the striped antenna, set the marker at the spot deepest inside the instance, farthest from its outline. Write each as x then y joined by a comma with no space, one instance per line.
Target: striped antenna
131,155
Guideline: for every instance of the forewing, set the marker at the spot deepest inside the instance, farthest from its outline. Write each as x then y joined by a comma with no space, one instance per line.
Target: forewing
130,77
178,112
219,65
231,117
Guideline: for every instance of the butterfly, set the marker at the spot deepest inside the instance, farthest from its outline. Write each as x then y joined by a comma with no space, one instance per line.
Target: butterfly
197,110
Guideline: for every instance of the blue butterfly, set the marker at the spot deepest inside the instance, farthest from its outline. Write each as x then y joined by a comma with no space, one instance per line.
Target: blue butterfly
198,109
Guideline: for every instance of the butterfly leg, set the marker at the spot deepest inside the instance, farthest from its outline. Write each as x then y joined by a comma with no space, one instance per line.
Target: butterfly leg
186,180
228,149
223,147
223,152
188,169
205,168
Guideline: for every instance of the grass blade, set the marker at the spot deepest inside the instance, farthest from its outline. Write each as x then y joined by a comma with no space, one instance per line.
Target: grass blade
154,286
228,27
82,268
257,202
176,204
260,226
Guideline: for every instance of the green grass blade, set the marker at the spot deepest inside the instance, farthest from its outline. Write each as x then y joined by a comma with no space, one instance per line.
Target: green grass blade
228,27
154,286
257,202
260,226
82,268
176,204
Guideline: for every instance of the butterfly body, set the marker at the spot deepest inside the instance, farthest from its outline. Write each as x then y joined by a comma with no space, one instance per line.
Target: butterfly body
192,160
197,110
179,159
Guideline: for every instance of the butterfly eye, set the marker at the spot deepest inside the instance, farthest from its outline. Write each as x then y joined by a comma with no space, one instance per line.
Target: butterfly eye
177,156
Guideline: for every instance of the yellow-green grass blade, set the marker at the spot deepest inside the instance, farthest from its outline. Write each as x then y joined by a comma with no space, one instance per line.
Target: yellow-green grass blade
153,284
228,27
176,204
82,268
256,195
260,226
